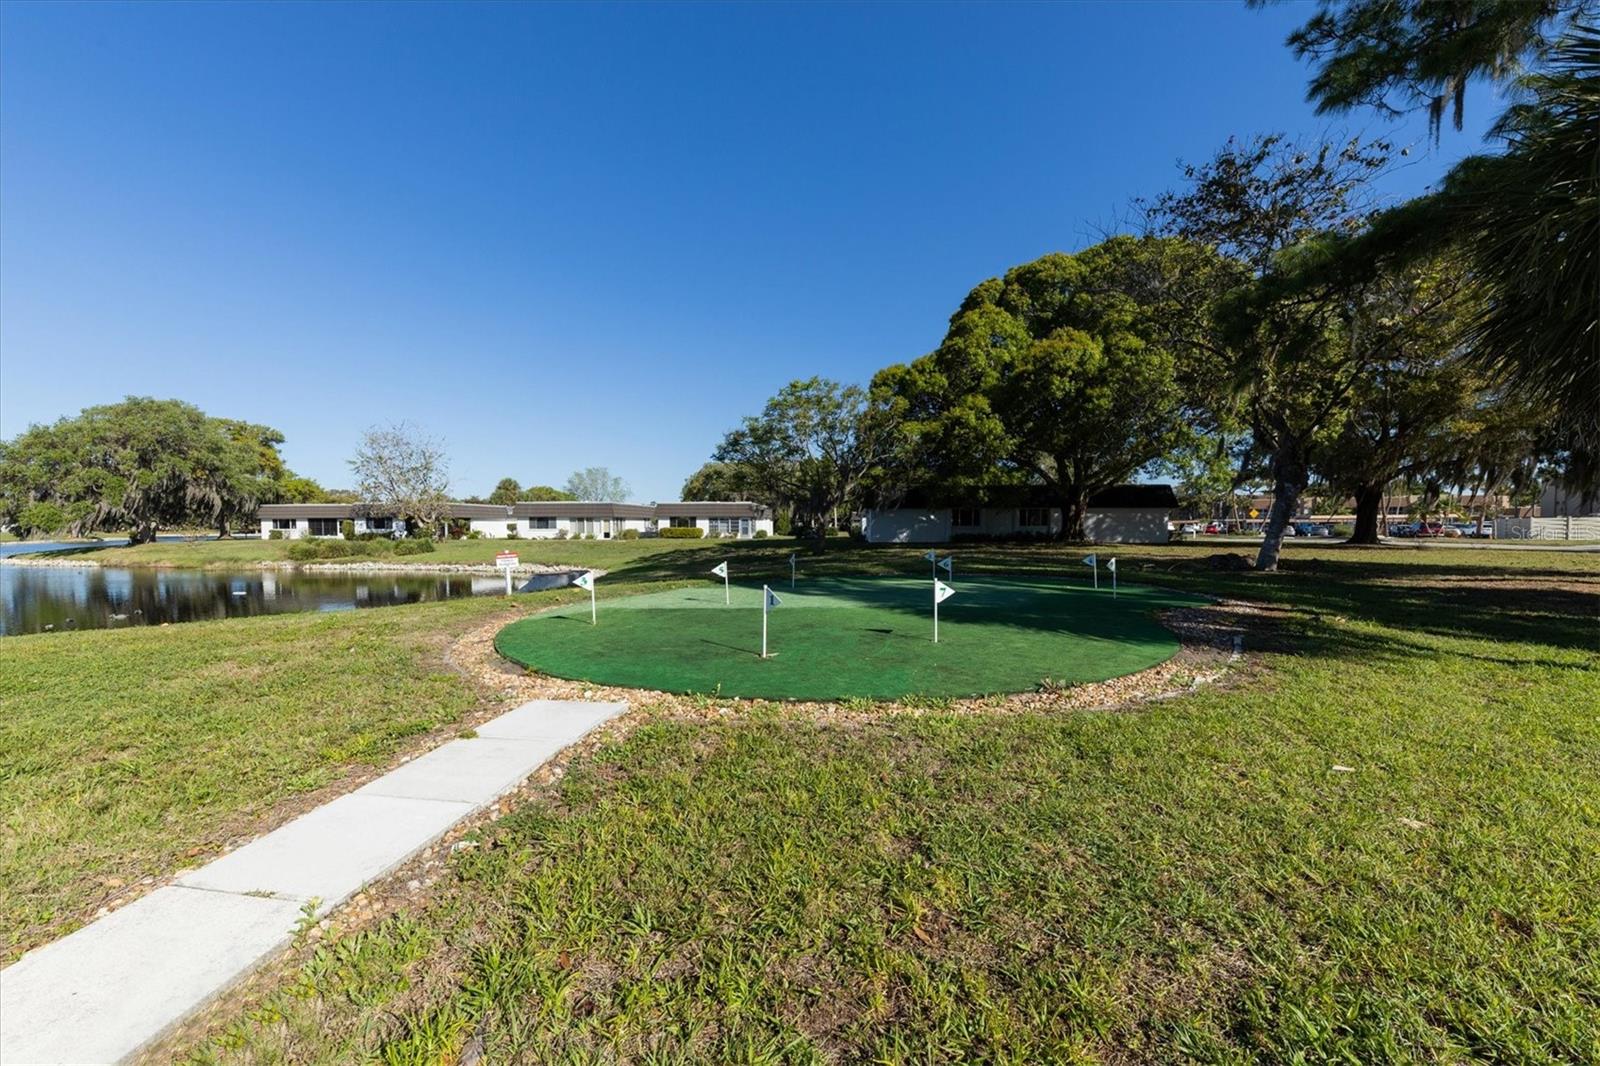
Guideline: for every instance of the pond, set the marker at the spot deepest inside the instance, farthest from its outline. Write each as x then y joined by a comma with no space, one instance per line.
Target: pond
35,599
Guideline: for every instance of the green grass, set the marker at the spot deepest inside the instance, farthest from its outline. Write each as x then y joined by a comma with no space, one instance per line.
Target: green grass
1381,843
122,751
840,638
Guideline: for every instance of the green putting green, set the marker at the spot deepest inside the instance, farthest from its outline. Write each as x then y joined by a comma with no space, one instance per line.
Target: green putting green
861,637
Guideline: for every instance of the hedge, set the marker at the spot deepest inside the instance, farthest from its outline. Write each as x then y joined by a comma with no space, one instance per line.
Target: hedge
683,532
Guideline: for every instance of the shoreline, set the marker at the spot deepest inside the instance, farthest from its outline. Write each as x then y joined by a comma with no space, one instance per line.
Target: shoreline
366,566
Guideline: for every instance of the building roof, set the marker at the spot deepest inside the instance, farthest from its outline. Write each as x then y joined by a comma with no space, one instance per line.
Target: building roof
307,510
710,509
581,509
1154,497
479,510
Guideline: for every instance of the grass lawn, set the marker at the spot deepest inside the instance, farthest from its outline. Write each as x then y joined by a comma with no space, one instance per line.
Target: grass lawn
841,638
121,752
1379,842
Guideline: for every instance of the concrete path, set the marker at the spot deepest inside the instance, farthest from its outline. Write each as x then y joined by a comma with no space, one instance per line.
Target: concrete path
102,993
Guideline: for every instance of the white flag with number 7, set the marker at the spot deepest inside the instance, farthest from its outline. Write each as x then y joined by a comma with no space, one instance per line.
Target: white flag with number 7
942,592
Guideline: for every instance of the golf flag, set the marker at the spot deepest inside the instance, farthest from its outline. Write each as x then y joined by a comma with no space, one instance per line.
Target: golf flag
933,562
1112,566
948,565
793,557
931,556
769,600
1093,563
721,570
585,580
941,592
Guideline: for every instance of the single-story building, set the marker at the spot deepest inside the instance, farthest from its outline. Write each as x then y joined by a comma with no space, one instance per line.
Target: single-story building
1122,514
531,519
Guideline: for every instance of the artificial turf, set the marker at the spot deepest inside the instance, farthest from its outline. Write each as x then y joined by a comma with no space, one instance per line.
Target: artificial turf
853,638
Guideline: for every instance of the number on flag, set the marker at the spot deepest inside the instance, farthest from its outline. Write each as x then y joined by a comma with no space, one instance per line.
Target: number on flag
721,569
947,564
584,580
772,599
931,556
1090,561
942,592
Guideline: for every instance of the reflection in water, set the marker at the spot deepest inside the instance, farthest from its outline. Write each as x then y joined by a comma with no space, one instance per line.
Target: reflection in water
40,599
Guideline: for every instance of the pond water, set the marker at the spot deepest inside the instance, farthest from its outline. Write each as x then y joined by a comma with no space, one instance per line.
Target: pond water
36,599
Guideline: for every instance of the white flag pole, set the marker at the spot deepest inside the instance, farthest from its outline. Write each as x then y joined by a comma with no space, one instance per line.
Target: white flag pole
727,597
1113,569
594,617
936,610
765,596
791,569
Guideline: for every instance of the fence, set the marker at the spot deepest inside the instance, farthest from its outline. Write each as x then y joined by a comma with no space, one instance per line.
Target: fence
1563,527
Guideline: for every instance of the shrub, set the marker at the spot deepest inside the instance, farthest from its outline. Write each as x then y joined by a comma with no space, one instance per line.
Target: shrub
475,534
561,534
414,546
683,532
307,550
783,524
1344,531
628,534
347,529
511,531
275,534
761,534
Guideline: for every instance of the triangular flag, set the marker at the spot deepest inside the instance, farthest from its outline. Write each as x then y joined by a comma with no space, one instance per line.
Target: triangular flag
584,580
1112,566
948,563
772,599
1090,561
931,556
942,592
721,569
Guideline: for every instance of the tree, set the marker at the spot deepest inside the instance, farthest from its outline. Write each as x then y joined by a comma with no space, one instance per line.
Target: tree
1280,212
1399,55
812,443
545,492
139,465
506,491
596,484
1414,390
1528,218
1062,373
401,470
718,481
296,489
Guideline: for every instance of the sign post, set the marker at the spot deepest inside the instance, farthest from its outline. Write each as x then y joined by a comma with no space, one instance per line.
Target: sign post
721,570
1094,564
792,556
585,580
1112,566
769,599
506,561
941,592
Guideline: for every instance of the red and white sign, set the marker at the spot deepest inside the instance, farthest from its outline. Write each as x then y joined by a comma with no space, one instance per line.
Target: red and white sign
505,560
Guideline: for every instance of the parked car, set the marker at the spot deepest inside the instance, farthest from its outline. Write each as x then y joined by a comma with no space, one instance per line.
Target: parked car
1428,529
1312,529
1215,527
1189,529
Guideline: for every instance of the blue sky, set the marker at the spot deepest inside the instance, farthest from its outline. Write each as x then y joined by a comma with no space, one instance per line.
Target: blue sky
561,236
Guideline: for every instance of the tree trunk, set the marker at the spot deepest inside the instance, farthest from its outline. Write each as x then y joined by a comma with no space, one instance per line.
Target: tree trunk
223,533
1369,505
1290,475
1073,511
142,533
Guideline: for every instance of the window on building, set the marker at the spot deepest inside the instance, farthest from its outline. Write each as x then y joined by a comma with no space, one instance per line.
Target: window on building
324,527
541,523
964,517
1033,516
283,523
681,522
728,527
380,525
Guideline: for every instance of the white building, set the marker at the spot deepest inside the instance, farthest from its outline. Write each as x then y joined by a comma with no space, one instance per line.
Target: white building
1122,514
528,520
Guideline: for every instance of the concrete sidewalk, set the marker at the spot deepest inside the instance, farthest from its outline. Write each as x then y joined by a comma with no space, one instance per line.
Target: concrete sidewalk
101,994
